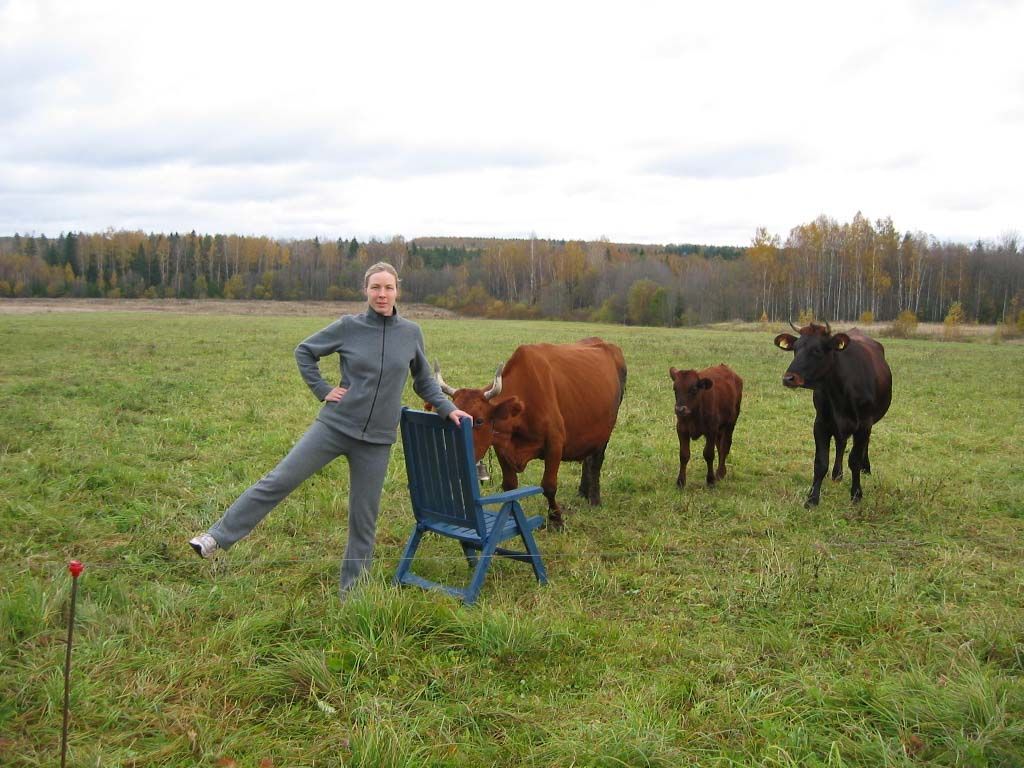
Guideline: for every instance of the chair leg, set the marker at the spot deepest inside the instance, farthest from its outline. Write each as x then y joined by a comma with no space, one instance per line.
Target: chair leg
407,555
531,545
482,564
485,558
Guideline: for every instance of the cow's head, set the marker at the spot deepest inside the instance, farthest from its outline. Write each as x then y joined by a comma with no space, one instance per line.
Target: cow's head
688,386
814,351
495,417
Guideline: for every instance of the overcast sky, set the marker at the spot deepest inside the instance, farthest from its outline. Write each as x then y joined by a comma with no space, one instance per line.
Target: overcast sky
639,122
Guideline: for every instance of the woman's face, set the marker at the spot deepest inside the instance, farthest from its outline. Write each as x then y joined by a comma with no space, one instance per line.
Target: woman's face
381,292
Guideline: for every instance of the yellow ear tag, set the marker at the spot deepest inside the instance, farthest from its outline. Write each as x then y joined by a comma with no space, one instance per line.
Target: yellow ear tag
841,345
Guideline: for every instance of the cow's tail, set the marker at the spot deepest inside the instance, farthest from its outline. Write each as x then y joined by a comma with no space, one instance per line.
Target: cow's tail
622,383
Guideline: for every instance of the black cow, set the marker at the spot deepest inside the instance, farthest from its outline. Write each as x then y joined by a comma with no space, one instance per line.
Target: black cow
852,387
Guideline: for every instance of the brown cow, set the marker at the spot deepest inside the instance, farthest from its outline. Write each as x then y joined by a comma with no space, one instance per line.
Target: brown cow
556,402
707,405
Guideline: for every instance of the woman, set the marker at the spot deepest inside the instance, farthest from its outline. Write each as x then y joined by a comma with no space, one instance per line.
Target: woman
359,419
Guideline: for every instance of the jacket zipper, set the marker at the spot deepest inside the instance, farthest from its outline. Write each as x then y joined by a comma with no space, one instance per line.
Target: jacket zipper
380,376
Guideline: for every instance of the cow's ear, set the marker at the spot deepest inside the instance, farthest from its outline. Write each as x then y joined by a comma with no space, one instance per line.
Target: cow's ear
673,373
507,409
840,342
705,383
785,341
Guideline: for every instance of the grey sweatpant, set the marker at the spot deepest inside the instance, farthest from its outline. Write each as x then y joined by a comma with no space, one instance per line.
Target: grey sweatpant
367,464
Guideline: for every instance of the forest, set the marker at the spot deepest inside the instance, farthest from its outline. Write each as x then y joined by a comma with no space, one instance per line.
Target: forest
858,270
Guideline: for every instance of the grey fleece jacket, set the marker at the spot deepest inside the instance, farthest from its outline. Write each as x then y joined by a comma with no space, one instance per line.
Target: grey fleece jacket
377,354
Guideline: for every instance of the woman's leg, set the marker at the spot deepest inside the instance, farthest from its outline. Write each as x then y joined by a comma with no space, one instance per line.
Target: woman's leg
368,466
314,450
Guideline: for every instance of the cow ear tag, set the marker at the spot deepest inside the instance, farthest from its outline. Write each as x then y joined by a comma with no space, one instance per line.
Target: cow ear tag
841,345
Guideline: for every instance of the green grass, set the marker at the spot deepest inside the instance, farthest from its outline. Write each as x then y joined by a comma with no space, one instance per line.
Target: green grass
705,627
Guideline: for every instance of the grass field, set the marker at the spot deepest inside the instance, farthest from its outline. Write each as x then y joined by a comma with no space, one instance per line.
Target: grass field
705,627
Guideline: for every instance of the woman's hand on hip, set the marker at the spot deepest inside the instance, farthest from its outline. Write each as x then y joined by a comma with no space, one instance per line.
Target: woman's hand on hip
335,395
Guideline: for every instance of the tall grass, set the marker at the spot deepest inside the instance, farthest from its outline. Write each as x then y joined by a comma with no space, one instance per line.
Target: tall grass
724,626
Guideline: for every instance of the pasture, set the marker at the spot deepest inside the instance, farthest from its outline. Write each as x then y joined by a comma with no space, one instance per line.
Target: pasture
716,627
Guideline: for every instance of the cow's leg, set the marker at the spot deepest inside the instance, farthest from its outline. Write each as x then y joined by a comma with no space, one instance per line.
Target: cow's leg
865,461
509,478
822,440
586,478
549,483
684,456
837,467
709,456
724,446
596,461
857,454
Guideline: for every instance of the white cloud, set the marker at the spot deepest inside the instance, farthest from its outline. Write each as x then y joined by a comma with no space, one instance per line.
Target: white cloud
664,122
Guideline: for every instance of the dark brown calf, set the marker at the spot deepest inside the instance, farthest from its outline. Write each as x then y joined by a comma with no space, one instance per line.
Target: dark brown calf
707,405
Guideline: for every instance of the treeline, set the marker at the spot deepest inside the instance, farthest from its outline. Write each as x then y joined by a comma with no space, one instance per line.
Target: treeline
859,270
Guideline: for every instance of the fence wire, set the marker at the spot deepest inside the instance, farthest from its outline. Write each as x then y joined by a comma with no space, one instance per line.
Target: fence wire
675,553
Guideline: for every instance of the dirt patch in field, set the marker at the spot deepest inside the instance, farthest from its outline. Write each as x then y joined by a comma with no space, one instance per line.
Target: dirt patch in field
879,330
211,307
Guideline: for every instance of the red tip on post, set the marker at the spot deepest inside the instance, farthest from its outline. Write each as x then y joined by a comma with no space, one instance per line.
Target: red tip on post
76,568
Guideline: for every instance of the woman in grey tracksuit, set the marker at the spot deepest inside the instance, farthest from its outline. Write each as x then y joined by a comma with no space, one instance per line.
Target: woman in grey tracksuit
359,420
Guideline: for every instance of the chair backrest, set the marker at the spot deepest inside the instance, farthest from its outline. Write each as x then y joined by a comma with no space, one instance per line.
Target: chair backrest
439,461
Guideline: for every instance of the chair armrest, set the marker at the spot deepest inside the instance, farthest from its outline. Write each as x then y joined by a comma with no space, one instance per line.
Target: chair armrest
513,495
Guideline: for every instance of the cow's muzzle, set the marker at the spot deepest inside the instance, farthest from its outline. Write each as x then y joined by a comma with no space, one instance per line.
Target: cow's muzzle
793,380
682,410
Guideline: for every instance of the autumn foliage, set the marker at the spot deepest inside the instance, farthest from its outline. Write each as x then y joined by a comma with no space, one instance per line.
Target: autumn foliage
824,270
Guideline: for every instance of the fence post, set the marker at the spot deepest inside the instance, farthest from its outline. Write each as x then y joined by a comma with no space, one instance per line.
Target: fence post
76,568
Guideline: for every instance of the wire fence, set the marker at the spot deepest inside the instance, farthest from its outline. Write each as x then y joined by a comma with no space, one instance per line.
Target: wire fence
192,563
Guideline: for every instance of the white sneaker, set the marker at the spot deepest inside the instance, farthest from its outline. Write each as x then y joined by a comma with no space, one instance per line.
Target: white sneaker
204,544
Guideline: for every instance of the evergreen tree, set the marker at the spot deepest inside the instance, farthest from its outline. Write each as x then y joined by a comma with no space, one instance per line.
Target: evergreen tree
70,249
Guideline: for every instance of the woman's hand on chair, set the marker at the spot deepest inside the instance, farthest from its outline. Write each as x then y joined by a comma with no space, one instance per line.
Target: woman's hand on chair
458,415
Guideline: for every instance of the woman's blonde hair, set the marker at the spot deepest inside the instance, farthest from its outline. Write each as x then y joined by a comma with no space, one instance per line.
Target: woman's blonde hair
380,266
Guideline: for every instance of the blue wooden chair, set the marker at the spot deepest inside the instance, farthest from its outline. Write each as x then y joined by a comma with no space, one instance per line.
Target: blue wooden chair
446,499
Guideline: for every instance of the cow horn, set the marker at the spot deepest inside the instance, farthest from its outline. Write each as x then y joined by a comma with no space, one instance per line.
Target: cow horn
828,329
793,326
495,389
440,382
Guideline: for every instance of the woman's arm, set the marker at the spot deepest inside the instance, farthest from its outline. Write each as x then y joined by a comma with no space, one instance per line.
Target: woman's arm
308,353
424,383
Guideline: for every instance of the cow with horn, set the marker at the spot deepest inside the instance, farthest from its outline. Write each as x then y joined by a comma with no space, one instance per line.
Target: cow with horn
556,402
852,389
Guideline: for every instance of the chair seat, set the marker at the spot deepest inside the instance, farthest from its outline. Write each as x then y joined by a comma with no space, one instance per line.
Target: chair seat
462,533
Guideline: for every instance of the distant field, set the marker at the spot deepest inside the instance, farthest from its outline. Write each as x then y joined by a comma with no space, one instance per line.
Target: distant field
966,332
703,627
